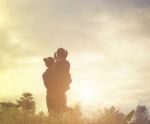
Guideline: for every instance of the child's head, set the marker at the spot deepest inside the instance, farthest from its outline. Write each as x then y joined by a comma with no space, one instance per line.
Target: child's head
49,61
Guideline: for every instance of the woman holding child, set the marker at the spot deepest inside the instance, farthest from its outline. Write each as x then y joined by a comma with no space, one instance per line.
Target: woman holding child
57,80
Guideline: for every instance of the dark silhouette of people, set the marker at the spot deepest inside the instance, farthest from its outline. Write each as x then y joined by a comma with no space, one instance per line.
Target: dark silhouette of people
57,79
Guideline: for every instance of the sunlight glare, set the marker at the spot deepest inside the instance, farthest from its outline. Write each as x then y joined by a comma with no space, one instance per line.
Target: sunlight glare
87,94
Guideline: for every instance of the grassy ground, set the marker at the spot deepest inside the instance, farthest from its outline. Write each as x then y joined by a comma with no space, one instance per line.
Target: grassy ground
74,116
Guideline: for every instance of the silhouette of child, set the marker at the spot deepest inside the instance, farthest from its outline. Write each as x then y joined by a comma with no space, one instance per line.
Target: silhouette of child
49,82
47,75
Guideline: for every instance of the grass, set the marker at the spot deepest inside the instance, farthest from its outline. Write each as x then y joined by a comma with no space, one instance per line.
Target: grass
23,112
73,116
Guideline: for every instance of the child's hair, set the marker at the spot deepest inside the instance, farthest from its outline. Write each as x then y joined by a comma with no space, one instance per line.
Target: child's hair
49,61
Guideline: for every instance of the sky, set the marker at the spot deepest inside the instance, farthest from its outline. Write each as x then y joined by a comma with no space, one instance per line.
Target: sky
108,43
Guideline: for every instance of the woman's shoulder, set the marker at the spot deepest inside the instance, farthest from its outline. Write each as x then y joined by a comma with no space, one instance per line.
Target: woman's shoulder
65,63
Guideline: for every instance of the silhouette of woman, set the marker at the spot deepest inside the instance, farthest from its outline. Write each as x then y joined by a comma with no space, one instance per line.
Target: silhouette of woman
63,78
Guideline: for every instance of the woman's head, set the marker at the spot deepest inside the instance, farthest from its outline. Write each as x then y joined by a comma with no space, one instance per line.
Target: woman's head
61,53
49,61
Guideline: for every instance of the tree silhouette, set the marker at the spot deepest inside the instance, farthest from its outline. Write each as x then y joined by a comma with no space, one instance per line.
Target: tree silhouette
26,103
141,115
4,106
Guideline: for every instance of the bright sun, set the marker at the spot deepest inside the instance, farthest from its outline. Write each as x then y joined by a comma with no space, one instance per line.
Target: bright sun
87,95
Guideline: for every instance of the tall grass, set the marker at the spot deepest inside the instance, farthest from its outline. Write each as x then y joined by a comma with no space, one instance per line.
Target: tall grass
23,112
73,116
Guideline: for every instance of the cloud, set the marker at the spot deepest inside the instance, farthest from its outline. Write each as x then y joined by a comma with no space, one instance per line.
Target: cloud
76,21
5,55
105,27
